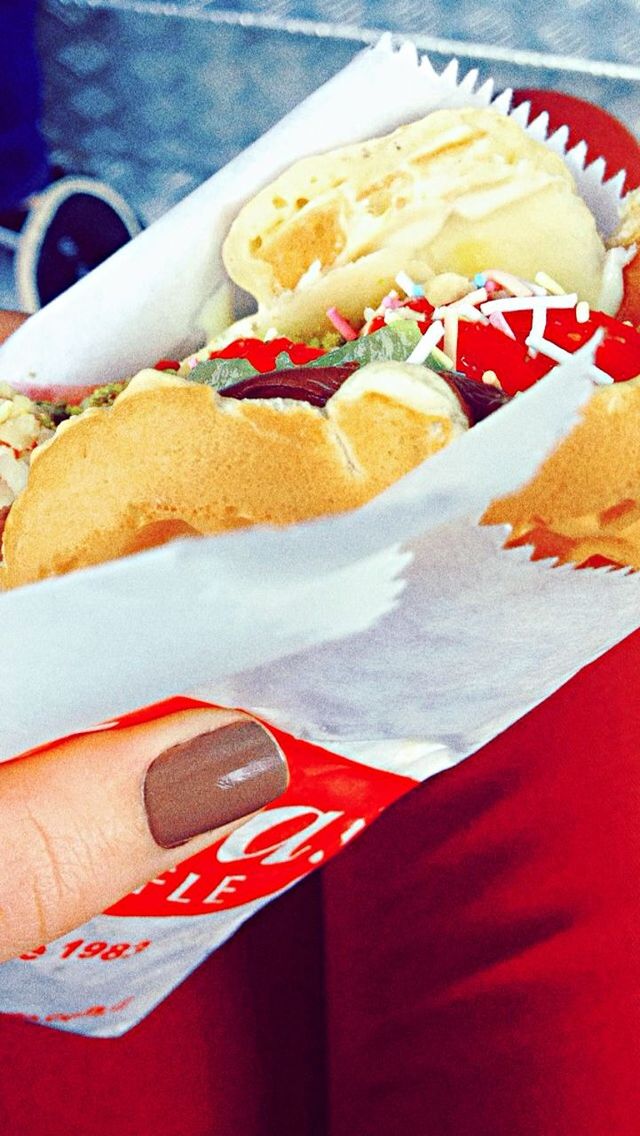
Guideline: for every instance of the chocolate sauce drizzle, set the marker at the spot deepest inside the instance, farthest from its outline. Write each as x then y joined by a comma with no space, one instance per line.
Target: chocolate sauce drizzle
479,400
316,385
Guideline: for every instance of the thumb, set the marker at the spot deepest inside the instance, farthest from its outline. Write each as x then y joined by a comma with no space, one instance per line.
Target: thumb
10,322
99,815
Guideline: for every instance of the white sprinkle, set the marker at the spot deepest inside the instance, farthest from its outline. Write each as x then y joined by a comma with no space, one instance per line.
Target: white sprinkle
582,311
451,335
559,355
507,280
528,303
426,344
549,283
538,322
551,350
270,333
471,300
392,315
469,312
491,379
478,296
404,281
538,327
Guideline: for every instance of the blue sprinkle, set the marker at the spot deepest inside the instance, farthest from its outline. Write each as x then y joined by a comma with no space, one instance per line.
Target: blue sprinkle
417,290
480,279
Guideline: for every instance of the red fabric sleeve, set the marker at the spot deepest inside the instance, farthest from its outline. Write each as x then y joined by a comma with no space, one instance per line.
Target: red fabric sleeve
482,946
236,1050
481,968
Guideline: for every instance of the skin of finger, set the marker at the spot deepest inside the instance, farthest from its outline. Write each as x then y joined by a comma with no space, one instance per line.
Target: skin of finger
10,322
75,837
74,831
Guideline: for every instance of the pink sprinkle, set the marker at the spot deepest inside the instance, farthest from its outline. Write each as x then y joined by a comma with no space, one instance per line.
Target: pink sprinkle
496,319
491,286
391,300
341,324
192,362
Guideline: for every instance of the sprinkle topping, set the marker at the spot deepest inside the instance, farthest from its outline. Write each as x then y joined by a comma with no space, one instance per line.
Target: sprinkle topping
549,283
451,335
341,324
529,303
431,338
559,355
404,281
538,322
469,312
496,319
509,282
391,300
486,298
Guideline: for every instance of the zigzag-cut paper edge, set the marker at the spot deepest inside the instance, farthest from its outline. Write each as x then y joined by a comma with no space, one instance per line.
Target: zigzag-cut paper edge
603,195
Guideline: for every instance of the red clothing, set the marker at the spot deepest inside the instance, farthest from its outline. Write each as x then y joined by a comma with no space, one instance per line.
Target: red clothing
467,967
491,986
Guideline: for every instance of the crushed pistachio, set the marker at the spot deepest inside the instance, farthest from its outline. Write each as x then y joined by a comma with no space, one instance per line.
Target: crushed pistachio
51,414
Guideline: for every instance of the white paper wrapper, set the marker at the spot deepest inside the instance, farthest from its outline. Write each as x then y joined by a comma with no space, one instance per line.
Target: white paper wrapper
71,648
402,636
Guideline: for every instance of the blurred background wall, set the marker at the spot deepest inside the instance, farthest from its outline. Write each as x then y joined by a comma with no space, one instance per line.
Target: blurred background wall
154,96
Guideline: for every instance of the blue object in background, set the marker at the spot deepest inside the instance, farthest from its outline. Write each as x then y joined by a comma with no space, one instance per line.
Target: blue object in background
23,156
155,95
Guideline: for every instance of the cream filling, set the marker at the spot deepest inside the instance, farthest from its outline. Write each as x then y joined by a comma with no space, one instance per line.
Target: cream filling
148,379
413,385
612,285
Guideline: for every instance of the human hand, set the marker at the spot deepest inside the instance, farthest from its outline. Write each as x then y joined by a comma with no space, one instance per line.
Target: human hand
9,322
100,814
87,822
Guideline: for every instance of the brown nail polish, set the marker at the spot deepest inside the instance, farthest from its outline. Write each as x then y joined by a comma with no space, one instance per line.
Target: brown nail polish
211,780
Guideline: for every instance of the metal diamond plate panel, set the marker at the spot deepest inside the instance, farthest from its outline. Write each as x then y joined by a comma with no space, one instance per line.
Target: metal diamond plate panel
155,96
